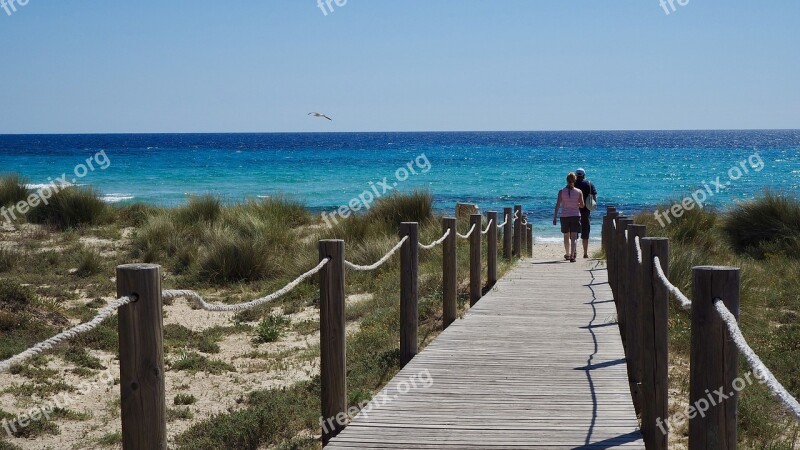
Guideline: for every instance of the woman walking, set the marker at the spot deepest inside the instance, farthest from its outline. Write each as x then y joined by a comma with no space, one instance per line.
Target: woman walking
570,201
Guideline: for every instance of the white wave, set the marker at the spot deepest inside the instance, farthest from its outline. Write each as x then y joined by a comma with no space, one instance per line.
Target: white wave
46,185
116,198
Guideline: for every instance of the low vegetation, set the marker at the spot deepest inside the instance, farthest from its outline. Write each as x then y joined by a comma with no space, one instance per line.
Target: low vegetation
760,237
56,268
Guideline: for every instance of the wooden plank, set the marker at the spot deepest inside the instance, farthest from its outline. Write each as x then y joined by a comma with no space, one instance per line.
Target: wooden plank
537,363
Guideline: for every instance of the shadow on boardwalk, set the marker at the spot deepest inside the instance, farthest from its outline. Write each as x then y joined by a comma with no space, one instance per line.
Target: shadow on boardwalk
535,364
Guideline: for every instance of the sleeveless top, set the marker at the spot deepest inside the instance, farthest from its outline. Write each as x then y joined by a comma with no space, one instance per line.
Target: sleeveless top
570,203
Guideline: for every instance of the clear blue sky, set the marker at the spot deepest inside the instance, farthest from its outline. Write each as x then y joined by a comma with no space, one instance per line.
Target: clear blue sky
411,65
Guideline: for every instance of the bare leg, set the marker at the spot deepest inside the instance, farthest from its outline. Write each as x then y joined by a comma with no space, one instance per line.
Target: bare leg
574,245
586,248
566,244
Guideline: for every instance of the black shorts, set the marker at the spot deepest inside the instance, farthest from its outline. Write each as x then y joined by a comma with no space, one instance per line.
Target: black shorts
586,224
570,224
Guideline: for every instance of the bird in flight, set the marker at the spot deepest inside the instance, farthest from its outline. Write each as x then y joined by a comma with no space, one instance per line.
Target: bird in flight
316,114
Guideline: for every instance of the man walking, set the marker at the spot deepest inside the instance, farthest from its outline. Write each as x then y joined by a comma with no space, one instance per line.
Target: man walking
588,189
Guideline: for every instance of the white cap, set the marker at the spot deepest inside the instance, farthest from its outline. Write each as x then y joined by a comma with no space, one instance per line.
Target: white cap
580,172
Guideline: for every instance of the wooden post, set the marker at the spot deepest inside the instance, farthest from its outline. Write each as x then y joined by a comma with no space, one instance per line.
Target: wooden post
449,268
605,232
491,248
622,277
508,232
409,291
530,240
610,253
714,359
518,231
333,370
141,358
475,259
633,320
655,357
523,245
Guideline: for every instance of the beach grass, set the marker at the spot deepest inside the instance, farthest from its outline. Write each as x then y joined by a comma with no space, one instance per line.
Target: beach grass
59,270
759,236
12,189
71,207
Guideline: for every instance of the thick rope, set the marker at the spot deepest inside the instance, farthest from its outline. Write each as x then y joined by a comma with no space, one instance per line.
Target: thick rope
380,262
436,242
217,307
501,225
760,370
104,314
638,246
466,236
489,225
684,301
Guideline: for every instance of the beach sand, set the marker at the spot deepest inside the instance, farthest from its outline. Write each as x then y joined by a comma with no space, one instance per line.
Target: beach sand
551,251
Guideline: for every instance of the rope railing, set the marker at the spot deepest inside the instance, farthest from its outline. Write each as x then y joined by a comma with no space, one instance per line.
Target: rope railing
141,330
43,346
436,242
219,307
501,225
488,226
684,301
761,371
644,325
466,236
638,246
378,263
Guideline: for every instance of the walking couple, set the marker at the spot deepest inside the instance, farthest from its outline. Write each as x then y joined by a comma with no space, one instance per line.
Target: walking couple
576,201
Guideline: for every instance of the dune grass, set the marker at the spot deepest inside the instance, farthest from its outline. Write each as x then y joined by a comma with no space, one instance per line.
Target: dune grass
768,226
756,236
71,207
232,253
12,189
277,417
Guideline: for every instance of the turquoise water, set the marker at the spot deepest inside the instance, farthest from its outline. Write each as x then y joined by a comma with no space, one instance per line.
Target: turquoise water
635,170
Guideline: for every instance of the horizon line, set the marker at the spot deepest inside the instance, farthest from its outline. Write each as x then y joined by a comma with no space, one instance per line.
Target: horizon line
397,132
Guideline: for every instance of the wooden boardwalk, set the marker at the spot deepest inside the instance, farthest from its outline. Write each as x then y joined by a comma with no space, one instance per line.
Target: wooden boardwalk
537,363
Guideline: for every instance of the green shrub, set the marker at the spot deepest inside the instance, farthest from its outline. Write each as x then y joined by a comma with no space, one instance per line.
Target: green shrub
81,358
194,362
158,236
15,297
135,215
174,414
397,208
277,211
271,328
230,257
12,189
205,208
110,439
184,399
8,259
70,208
766,225
89,263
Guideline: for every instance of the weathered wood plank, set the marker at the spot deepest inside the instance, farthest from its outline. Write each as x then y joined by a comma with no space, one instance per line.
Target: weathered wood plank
537,363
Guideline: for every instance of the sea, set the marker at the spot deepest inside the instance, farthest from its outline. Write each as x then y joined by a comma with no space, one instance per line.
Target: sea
638,171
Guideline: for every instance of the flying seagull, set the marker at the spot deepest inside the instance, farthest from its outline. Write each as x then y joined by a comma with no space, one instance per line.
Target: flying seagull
316,114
